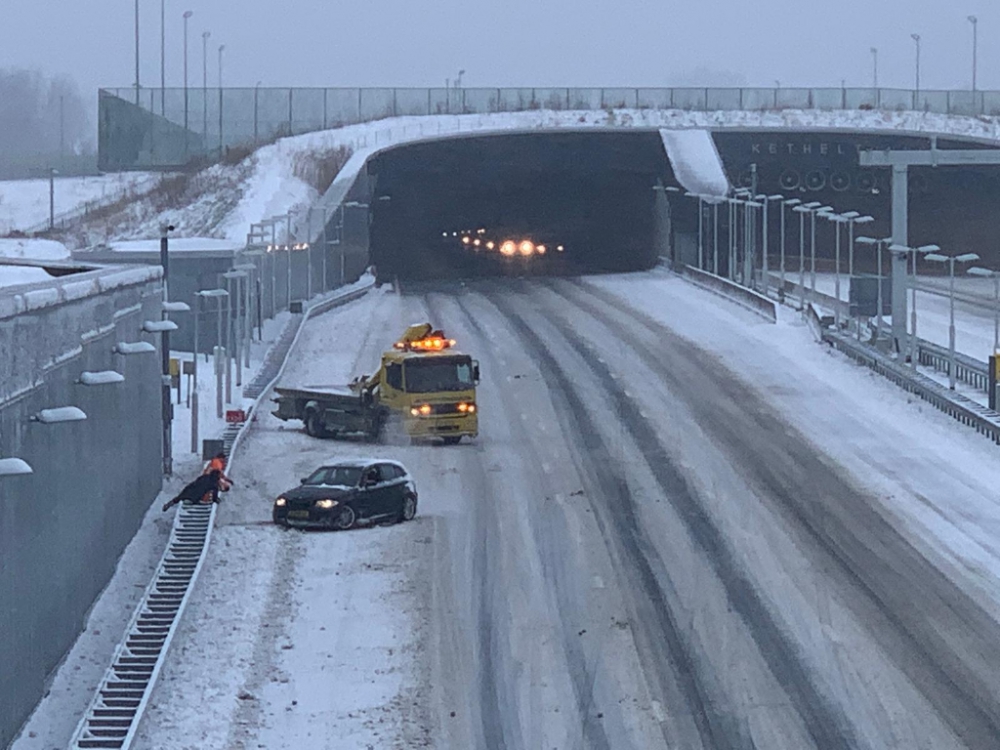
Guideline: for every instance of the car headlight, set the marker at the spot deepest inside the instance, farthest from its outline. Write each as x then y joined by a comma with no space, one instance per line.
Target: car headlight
280,502
327,504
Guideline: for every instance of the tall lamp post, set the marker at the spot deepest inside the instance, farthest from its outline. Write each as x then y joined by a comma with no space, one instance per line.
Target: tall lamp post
975,49
222,48
701,236
873,242
951,260
916,90
785,204
187,15
802,211
875,72
163,58
839,220
765,239
915,252
216,294
995,275
137,53
204,84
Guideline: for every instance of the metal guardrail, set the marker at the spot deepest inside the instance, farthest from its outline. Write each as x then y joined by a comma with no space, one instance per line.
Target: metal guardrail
117,707
968,370
985,421
741,295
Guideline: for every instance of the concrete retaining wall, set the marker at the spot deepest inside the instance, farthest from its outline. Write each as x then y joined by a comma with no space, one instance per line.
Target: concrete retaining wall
63,528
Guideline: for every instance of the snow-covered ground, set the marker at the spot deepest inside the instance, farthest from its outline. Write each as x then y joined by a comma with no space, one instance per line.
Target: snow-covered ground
524,606
73,684
25,203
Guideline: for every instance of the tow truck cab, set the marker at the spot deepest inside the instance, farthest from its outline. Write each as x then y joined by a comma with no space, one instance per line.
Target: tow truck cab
430,385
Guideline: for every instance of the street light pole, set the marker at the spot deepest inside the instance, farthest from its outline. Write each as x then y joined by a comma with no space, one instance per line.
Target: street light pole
204,85
916,97
875,69
975,44
222,48
187,15
137,52
951,260
784,204
715,238
163,58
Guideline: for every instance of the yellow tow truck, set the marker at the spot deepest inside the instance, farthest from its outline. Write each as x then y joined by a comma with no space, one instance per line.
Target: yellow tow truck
424,388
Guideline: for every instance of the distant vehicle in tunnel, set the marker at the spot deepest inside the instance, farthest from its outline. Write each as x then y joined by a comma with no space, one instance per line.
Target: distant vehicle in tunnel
339,495
423,386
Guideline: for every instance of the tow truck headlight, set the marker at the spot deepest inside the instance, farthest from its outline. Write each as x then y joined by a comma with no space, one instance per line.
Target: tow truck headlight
467,408
421,411
280,502
327,504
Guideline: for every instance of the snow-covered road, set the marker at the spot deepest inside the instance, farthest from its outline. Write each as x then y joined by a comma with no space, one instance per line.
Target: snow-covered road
680,527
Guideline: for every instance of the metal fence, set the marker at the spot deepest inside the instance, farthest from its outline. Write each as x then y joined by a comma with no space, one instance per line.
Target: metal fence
185,124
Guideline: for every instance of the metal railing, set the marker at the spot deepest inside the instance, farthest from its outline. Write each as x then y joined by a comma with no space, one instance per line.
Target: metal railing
968,370
156,131
985,421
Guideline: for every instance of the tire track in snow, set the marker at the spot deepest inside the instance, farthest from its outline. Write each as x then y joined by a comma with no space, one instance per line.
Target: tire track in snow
671,656
868,556
581,674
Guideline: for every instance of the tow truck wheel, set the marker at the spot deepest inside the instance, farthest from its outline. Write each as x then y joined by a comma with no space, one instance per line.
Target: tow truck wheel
345,520
453,440
313,426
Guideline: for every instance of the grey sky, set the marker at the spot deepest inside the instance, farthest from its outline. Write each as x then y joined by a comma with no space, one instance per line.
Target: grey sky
510,42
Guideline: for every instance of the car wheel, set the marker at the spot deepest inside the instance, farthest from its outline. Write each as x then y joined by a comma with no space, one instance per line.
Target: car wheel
409,509
453,440
345,520
314,427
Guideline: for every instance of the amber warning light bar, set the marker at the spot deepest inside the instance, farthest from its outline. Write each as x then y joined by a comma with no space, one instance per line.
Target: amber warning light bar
436,342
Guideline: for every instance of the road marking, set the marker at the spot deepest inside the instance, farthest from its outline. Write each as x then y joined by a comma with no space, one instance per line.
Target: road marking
598,582
658,712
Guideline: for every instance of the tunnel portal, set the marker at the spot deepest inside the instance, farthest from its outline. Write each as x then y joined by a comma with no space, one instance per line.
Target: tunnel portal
583,202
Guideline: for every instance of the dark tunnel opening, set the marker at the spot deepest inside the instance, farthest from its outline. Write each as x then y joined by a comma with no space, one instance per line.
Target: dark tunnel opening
570,203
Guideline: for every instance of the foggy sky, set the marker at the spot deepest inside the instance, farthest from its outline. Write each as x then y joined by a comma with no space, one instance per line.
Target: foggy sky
509,42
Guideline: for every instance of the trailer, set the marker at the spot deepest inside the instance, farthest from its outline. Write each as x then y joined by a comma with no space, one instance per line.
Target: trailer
331,411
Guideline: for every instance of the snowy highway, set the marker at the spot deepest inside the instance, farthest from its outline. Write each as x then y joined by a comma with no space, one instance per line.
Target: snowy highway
679,527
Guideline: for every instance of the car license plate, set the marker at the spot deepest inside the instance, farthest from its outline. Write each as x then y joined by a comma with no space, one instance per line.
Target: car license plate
298,514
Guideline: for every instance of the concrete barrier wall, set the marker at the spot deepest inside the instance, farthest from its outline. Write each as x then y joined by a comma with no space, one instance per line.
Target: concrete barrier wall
63,528
758,303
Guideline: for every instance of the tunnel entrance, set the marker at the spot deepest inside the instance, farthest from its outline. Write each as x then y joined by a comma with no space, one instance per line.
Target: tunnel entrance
569,203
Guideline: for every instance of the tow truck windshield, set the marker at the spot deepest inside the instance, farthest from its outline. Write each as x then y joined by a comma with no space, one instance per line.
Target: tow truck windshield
428,376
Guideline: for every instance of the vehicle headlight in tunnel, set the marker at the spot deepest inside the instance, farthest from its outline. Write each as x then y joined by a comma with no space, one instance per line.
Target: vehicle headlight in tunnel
327,504
527,247
466,240
559,248
540,249
444,234
280,502
490,245
508,248
477,242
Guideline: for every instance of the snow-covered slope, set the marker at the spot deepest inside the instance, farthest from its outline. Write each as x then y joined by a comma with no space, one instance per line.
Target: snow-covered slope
222,201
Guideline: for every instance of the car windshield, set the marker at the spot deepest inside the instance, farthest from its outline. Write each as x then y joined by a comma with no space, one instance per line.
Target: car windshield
426,376
335,476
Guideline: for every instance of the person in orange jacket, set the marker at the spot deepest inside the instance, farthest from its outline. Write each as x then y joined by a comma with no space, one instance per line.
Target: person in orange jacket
218,464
